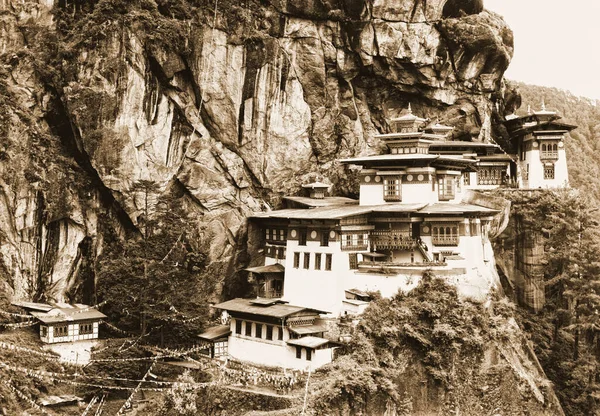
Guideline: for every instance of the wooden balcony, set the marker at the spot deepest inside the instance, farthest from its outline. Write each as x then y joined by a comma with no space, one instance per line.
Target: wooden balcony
390,240
549,155
355,247
445,240
395,268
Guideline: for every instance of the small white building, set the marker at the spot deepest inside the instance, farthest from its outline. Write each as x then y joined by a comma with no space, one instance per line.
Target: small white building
538,138
63,322
272,333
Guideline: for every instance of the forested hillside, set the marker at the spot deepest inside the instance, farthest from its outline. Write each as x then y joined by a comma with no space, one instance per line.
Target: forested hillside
583,147
565,333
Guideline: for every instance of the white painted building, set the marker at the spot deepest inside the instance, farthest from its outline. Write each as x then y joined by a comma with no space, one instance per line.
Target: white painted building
272,333
538,139
409,217
63,322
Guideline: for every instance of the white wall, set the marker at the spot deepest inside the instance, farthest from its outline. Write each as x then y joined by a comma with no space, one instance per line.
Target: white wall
319,289
272,353
371,194
73,334
536,170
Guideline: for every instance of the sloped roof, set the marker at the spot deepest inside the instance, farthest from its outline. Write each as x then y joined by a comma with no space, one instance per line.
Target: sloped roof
317,185
271,268
215,332
309,342
71,314
325,202
277,310
43,307
308,329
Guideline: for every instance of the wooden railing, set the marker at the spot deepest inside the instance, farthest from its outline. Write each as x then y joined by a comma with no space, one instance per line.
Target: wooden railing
549,155
270,293
355,247
392,240
445,240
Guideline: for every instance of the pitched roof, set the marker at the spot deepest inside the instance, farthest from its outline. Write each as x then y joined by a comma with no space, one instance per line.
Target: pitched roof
70,314
215,332
325,202
308,329
317,185
309,342
407,157
44,307
271,268
339,212
277,310
446,208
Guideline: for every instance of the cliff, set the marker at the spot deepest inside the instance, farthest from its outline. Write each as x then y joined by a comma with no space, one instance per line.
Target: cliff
232,107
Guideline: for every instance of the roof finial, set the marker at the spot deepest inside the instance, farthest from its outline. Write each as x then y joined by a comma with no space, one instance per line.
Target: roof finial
409,109
529,109
543,105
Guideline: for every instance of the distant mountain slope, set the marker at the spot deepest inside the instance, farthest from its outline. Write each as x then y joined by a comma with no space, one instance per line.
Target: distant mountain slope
583,147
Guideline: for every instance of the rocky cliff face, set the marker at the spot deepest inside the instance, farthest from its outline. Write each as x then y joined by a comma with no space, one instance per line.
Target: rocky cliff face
98,95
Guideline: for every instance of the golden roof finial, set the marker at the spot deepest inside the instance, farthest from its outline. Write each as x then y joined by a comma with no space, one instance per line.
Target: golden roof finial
409,109
529,109
543,105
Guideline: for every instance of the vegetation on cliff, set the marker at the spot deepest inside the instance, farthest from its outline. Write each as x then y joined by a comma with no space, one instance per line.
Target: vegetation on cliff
566,332
430,351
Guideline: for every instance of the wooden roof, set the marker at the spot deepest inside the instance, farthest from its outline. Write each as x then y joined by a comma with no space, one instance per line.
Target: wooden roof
325,202
215,332
70,314
276,310
308,342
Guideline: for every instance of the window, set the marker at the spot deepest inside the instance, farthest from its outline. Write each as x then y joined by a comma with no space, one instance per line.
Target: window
282,235
324,238
446,235
298,352
391,188
317,261
306,260
549,151
302,237
296,260
258,331
412,256
85,329
269,332
61,331
308,354
548,171
248,329
238,326
280,333
353,261
328,259
43,331
268,234
445,188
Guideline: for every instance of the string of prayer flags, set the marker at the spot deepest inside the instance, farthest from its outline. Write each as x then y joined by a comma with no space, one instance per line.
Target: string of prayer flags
90,405
23,396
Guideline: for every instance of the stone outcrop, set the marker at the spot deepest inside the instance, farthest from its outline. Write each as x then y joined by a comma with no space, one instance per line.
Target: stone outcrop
235,115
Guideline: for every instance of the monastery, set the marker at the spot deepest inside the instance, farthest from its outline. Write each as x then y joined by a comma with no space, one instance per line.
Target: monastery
416,211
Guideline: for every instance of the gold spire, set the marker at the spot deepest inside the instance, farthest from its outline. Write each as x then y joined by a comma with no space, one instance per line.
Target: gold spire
543,105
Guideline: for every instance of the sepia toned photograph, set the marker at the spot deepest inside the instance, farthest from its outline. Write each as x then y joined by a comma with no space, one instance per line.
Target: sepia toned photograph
299,207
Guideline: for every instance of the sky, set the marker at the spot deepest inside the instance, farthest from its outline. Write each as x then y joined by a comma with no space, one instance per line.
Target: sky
557,43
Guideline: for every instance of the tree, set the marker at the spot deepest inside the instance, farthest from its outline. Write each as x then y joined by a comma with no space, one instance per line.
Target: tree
151,281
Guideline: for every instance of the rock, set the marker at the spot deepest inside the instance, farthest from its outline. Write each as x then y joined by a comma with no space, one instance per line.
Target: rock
243,115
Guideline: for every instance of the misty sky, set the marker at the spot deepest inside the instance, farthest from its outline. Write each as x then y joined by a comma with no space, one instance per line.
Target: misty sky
557,43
